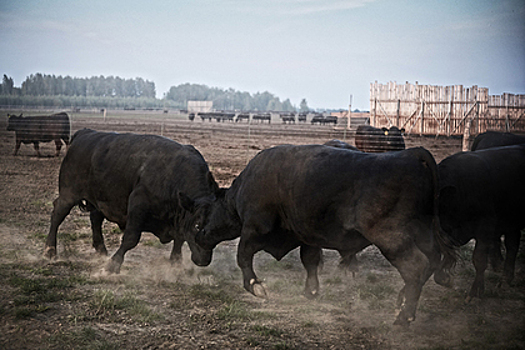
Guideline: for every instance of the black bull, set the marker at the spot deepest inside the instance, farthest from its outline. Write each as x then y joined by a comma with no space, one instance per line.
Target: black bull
38,129
492,139
482,197
142,183
324,197
374,140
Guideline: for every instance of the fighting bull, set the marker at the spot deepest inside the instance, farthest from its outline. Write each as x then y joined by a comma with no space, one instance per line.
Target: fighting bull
142,183
38,129
316,197
374,140
481,198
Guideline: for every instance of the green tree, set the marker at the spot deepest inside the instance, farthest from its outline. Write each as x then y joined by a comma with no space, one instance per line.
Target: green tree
303,106
7,85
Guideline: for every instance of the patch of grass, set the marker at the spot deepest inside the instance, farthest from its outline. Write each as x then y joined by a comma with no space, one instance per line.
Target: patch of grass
106,304
334,280
205,292
155,243
283,346
267,331
376,294
234,311
85,339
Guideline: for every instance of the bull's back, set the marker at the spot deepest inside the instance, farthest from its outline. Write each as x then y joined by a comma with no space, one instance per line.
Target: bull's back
491,139
487,182
103,163
45,128
301,180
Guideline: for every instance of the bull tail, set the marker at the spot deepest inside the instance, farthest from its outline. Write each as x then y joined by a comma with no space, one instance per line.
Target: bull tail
447,248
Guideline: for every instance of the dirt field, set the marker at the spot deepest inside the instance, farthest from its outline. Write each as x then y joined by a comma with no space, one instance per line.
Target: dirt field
66,304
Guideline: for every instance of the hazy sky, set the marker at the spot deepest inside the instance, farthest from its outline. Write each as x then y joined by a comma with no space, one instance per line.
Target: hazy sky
320,50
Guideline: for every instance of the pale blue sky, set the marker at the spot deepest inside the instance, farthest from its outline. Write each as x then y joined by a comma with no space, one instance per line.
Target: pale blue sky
320,50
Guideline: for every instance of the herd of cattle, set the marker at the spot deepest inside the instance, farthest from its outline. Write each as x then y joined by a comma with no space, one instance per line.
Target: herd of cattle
332,196
263,117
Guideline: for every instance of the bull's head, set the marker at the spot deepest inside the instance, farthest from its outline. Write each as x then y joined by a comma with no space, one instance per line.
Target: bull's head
196,210
13,121
221,224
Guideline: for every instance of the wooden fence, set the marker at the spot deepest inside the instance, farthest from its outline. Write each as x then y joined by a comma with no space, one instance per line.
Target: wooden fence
445,110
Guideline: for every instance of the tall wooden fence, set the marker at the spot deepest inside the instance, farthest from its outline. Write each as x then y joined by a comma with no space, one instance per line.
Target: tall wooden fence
445,110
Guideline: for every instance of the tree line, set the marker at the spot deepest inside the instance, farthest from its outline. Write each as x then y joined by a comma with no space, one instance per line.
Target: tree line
115,92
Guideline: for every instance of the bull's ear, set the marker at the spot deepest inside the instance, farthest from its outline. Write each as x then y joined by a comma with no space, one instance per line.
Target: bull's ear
186,202
403,131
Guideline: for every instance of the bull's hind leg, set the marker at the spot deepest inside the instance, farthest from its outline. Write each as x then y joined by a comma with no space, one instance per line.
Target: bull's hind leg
480,260
61,209
97,218
311,257
512,245
414,267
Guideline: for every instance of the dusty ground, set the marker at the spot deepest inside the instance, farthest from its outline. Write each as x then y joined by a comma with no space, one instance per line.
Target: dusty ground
65,304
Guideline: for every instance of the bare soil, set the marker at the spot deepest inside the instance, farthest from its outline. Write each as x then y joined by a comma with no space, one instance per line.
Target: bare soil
68,304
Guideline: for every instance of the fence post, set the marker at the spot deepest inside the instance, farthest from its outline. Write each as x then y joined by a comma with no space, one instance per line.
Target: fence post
466,134
374,112
422,128
397,112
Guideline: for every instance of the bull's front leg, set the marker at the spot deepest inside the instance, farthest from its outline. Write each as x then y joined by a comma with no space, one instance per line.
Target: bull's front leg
245,252
130,239
176,251
311,257
36,145
17,146
58,146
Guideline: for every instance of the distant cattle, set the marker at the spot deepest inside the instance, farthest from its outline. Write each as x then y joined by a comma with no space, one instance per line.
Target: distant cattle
262,117
288,118
142,183
492,139
191,116
220,117
242,116
205,116
317,118
301,117
38,129
321,119
482,197
374,140
317,196
330,119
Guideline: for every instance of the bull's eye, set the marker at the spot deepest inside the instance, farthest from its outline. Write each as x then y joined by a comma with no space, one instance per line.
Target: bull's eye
197,227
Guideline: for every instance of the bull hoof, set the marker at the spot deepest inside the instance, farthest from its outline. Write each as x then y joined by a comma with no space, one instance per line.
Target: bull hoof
310,295
101,251
258,289
50,252
443,279
403,322
113,267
